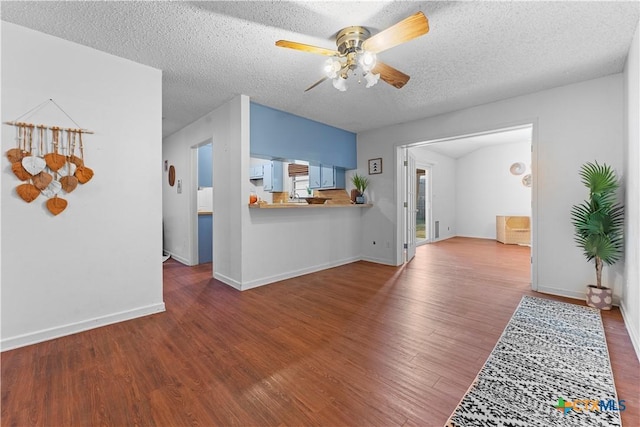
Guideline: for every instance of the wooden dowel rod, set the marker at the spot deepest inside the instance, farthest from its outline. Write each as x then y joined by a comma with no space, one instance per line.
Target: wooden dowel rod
47,127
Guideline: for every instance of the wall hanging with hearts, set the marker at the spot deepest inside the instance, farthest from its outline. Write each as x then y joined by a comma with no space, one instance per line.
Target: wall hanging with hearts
49,166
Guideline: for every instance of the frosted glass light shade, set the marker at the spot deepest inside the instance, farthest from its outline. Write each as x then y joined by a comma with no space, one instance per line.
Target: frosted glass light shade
331,68
371,79
367,61
340,84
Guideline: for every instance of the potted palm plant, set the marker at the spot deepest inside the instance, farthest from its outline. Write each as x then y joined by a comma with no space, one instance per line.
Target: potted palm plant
361,183
599,223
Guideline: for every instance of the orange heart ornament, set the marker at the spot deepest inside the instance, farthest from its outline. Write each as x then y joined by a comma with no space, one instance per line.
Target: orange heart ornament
56,205
55,161
69,183
42,180
20,171
84,174
27,192
16,154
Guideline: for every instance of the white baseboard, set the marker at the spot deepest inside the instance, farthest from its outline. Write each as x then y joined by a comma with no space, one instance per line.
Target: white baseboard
441,239
560,292
295,273
475,237
227,280
179,258
73,328
282,276
383,261
631,330
570,294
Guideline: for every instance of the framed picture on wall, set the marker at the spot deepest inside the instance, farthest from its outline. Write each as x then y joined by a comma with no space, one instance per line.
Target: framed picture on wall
375,166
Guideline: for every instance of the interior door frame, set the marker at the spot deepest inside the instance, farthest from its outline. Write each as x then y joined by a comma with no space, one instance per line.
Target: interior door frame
428,168
400,191
409,204
194,256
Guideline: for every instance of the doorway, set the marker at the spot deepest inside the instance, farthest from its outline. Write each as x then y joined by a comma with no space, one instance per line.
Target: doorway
467,181
203,223
423,205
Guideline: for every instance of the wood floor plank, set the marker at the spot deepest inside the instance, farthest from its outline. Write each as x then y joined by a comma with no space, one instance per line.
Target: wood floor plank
360,344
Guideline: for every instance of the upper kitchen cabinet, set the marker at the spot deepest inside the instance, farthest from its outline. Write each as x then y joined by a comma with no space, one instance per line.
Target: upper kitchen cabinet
326,177
256,172
279,135
273,176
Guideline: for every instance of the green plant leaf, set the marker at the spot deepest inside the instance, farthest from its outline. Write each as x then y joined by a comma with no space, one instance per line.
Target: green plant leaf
599,221
599,179
360,182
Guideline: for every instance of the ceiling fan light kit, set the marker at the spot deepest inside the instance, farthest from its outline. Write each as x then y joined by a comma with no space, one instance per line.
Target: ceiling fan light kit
340,83
371,79
357,50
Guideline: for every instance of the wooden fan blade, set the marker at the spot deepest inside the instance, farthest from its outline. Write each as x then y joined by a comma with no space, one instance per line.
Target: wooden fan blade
306,48
316,84
405,30
390,75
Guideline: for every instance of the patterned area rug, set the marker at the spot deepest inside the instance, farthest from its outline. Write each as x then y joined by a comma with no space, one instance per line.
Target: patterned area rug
550,367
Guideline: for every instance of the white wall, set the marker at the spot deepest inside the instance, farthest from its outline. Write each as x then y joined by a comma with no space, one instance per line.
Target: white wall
99,261
443,189
486,188
572,124
630,302
252,247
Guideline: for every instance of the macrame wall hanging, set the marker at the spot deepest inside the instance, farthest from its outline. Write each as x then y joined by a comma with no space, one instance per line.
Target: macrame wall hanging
46,160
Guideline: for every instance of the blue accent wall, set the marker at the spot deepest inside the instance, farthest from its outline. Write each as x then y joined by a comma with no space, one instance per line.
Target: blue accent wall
205,222
205,241
205,165
279,135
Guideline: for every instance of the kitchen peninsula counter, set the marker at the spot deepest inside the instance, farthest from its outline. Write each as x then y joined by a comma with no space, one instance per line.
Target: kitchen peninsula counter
307,206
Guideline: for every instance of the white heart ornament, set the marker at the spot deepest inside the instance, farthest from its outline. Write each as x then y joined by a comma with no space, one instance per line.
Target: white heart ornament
67,170
34,165
52,189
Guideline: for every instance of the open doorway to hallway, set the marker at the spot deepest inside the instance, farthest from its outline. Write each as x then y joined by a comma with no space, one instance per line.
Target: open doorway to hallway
465,184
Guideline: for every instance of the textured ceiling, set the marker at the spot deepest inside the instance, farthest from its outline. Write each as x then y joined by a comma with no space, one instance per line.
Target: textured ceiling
476,52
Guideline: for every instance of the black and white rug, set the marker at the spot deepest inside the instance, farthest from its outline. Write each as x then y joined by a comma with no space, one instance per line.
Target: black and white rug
550,367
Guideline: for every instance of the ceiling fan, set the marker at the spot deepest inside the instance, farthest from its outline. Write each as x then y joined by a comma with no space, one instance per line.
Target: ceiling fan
357,48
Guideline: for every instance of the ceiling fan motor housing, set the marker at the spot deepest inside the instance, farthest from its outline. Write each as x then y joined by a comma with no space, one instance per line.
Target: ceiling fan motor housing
350,39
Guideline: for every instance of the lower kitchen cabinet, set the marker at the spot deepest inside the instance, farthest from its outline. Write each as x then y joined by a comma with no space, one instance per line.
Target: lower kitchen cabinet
205,238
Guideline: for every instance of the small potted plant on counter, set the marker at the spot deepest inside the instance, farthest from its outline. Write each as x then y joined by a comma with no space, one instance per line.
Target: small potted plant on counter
361,183
598,224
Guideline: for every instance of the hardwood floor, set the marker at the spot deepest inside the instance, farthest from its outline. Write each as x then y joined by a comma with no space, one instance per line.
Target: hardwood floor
362,344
